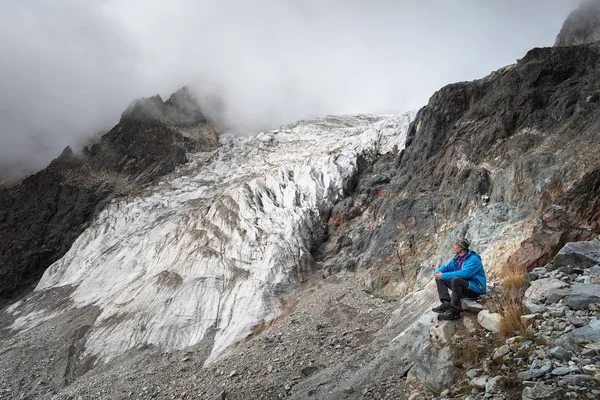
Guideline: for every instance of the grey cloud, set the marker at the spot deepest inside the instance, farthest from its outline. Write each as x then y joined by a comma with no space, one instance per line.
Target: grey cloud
66,71
74,65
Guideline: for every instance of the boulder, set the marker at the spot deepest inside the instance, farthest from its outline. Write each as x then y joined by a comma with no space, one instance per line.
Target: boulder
469,324
586,334
432,360
479,382
474,372
501,352
538,368
583,295
533,307
568,270
490,321
493,385
560,353
563,371
577,254
542,288
575,321
541,391
440,368
558,295
471,305
578,379
537,273
527,320
441,333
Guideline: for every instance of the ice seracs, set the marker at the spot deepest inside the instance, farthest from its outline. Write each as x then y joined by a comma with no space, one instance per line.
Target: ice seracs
219,243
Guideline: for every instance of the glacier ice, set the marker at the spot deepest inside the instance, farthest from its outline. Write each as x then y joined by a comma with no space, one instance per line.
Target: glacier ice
218,244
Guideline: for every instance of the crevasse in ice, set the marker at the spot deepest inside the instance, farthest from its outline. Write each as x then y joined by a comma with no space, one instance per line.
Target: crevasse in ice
218,244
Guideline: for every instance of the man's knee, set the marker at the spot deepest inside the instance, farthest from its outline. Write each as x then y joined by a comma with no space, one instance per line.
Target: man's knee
456,281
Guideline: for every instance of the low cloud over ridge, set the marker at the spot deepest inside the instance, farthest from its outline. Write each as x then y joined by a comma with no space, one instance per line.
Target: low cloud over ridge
70,67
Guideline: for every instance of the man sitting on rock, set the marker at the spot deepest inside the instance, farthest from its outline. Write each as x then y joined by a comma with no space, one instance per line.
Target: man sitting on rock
464,275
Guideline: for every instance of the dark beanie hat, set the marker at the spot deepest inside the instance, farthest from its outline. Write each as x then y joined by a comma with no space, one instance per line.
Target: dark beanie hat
463,243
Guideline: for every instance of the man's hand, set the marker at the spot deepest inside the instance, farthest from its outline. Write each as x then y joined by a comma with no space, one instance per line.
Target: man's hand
438,276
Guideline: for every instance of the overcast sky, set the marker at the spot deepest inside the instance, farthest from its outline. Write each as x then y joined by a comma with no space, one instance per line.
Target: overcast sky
70,67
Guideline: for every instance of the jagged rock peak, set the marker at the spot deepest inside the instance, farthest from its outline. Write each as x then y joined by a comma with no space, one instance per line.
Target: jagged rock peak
67,160
582,26
151,140
181,109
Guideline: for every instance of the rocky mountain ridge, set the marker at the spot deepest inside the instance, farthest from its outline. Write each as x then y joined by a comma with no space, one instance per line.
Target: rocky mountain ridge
42,216
509,160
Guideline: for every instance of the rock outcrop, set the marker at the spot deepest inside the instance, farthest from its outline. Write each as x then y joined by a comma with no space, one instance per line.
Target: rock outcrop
511,160
583,254
582,26
42,216
560,357
153,137
553,352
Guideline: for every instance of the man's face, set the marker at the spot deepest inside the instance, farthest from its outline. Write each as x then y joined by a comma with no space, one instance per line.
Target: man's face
456,249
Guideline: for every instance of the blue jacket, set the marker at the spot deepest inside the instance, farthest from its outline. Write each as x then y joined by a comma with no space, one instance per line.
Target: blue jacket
472,271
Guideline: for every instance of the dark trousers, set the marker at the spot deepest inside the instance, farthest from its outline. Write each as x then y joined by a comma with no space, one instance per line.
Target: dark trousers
460,290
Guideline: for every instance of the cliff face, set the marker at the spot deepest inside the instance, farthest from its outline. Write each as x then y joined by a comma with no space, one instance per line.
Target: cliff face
582,26
507,159
42,216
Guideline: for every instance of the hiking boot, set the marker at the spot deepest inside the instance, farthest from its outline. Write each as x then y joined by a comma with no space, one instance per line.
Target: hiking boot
442,307
449,315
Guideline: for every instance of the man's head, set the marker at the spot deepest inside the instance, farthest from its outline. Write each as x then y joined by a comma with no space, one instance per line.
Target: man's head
461,246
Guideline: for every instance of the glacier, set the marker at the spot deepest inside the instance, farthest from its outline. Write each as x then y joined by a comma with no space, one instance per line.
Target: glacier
218,244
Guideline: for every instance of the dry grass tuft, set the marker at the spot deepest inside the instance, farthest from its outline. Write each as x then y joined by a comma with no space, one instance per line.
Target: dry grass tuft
514,285
511,319
467,353
527,334
514,280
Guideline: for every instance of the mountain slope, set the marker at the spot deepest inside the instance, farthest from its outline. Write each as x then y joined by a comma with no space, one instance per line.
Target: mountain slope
216,246
510,158
213,277
42,216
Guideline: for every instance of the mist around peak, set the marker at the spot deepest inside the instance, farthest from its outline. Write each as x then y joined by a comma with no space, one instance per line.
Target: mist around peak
582,26
71,67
